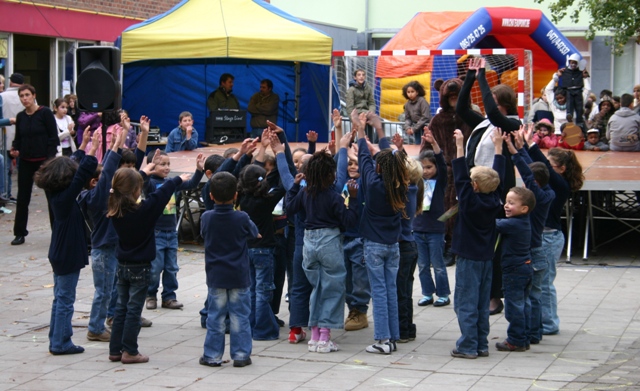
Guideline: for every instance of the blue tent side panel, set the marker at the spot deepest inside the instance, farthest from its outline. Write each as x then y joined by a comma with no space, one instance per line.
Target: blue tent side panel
162,89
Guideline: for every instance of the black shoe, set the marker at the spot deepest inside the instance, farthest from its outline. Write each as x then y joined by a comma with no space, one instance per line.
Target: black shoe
241,363
498,309
280,322
449,258
72,350
17,241
202,361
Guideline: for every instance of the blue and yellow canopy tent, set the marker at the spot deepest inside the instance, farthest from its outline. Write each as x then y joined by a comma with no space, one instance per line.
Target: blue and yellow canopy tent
173,61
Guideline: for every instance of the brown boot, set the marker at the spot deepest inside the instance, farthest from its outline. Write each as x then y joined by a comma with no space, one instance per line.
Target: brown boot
137,359
356,321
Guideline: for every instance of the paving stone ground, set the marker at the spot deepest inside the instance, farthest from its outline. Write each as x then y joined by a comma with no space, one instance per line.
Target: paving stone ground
598,347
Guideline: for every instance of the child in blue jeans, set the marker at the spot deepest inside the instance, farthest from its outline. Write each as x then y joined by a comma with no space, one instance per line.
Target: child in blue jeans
428,231
62,180
166,261
225,232
515,234
385,187
474,240
323,261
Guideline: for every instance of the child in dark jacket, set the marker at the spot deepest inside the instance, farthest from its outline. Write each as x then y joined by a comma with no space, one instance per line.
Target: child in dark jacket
225,232
515,232
134,223
474,242
62,180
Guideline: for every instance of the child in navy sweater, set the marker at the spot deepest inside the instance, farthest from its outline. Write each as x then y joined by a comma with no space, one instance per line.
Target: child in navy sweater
515,234
428,231
225,232
323,259
474,241
535,176
62,180
385,187
134,223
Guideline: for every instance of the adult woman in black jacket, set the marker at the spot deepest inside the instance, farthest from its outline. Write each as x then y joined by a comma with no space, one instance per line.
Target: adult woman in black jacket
35,142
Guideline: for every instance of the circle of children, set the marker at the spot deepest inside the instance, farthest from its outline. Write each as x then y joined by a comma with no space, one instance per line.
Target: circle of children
362,219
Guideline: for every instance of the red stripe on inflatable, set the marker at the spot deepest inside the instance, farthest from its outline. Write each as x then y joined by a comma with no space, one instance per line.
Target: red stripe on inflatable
411,52
437,52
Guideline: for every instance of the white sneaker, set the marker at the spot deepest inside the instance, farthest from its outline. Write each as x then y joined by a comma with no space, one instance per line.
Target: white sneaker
327,347
5,210
312,345
380,348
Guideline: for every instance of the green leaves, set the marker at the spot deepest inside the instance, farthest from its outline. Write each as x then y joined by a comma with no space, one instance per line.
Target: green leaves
619,17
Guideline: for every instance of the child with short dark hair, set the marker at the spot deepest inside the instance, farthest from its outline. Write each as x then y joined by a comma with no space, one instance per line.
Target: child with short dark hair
62,180
225,232
594,142
134,223
515,234
474,243
184,137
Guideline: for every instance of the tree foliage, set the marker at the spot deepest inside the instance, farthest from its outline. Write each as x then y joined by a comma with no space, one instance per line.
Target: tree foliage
620,17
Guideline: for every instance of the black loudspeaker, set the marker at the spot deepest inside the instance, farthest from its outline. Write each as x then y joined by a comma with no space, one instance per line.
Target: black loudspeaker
98,83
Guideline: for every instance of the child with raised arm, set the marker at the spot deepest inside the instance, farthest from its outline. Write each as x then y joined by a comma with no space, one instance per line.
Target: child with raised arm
474,242
103,242
62,180
428,231
225,232
385,187
166,261
515,234
535,176
323,258
134,223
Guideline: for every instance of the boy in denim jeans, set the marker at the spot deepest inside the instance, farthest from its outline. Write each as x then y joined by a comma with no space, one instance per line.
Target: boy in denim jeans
225,232
515,231
474,239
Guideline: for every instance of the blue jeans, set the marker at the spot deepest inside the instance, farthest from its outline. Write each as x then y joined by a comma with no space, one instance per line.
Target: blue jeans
357,284
300,293
166,262
382,266
430,253
236,303
133,282
471,304
111,310
64,295
263,321
516,283
104,264
539,265
323,264
2,174
406,270
553,243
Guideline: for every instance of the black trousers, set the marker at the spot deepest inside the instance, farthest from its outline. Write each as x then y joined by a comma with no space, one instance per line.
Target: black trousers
575,104
26,170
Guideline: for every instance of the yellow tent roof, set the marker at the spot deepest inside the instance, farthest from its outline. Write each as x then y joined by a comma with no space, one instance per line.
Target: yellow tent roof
251,29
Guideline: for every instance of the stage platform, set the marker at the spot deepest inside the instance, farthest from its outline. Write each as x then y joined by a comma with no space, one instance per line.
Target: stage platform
617,173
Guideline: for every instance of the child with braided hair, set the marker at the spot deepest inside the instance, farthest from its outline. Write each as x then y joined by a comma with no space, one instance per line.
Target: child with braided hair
323,257
385,187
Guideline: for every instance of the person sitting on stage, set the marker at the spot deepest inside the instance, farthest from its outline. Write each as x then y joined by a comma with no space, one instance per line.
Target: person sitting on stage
263,107
223,98
184,137
623,128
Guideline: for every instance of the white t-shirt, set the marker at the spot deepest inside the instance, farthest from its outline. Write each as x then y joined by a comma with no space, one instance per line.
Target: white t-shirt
63,126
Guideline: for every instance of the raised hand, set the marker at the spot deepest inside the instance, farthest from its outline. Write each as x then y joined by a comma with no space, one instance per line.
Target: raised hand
185,177
374,120
528,134
264,139
352,152
273,127
200,162
331,147
125,121
373,150
474,64
86,137
496,137
96,141
246,144
427,136
346,139
355,121
518,138
352,187
121,135
507,139
144,124
299,177
397,140
312,136
337,119
276,145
